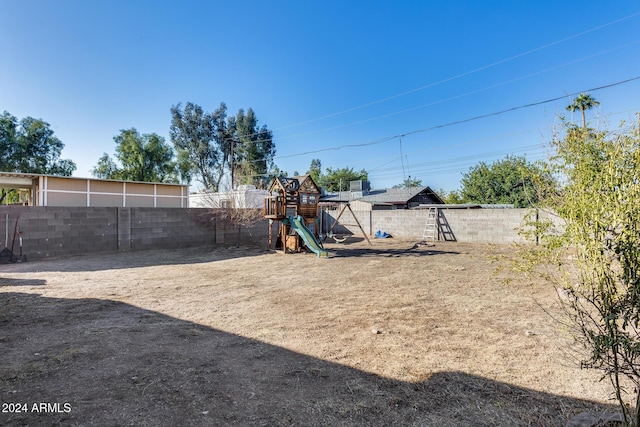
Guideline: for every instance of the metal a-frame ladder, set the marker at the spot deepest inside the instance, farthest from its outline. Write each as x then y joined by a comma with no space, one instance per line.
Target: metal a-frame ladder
430,233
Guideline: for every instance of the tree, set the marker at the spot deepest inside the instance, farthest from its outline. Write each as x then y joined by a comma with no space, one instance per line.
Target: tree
29,146
452,197
581,103
338,179
508,181
202,138
253,149
145,158
409,182
217,146
315,170
597,211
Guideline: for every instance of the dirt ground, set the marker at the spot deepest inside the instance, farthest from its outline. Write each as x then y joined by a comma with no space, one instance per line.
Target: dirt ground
384,335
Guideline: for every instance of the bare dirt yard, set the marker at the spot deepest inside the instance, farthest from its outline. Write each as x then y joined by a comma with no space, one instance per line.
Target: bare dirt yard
385,335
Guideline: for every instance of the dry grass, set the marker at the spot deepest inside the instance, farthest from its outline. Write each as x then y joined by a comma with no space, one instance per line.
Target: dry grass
372,336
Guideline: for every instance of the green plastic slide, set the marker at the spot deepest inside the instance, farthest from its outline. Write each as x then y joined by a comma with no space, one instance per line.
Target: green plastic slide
309,239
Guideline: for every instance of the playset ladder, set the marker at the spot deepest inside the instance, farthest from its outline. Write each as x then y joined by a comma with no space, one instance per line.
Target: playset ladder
430,233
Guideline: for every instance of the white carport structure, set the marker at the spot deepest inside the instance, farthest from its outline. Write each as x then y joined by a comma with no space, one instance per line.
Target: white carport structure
48,190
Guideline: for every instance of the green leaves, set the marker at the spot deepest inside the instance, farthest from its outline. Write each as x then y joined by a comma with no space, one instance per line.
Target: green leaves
254,149
509,181
215,146
145,158
581,103
30,146
599,207
201,138
338,179
409,182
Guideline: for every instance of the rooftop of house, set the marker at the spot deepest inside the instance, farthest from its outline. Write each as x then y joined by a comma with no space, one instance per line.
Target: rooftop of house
383,196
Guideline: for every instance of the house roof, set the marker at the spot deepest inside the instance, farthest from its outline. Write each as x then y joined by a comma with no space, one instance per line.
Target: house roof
387,196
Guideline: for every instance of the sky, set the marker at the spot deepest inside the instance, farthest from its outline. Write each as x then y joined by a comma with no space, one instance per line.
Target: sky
420,89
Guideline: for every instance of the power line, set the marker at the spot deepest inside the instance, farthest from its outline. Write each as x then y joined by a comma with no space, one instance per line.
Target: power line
441,101
475,70
457,122
447,165
454,78
533,104
455,96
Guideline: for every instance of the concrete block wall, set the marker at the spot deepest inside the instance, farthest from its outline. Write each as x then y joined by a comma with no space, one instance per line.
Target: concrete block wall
363,217
485,225
166,228
58,231
462,225
55,231
406,224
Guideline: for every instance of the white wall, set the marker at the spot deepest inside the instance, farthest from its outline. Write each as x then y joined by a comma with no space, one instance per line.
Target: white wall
246,196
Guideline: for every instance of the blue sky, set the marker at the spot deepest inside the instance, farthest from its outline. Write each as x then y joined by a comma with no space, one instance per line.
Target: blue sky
323,75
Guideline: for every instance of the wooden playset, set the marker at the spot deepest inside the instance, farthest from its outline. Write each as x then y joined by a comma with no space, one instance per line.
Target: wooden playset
293,205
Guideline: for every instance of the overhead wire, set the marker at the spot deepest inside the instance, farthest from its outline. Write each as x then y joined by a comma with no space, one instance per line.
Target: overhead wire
447,165
457,122
475,70
533,152
459,76
537,149
451,98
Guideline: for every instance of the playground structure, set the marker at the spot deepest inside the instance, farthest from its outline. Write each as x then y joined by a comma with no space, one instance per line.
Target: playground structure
336,221
293,205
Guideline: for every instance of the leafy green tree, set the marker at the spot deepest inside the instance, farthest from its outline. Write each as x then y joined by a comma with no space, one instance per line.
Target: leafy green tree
315,170
596,211
409,182
145,158
217,146
106,168
203,139
451,197
338,179
29,146
253,149
581,103
508,181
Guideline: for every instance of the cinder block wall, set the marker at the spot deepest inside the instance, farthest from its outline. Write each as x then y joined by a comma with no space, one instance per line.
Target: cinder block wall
363,217
57,231
462,225
484,225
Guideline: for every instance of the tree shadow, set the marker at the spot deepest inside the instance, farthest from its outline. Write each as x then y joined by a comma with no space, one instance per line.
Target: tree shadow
117,364
362,250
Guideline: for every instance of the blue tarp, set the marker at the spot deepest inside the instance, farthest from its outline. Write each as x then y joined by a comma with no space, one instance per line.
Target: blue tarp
382,234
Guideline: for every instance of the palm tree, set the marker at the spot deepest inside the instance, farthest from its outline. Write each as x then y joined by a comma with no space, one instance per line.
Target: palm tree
583,102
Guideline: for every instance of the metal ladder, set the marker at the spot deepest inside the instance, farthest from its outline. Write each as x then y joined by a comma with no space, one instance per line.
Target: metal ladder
430,234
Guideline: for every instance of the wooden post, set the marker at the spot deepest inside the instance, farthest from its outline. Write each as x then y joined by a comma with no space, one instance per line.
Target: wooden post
358,222
348,206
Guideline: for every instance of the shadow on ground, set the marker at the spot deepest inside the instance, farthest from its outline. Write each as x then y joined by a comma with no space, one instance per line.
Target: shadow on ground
381,248
116,364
